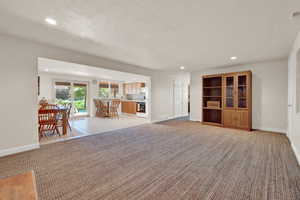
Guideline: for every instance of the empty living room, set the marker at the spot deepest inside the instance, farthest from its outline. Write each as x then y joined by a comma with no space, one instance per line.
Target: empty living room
154,100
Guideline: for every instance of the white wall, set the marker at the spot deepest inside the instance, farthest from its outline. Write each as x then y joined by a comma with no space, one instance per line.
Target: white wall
294,117
163,94
269,98
18,81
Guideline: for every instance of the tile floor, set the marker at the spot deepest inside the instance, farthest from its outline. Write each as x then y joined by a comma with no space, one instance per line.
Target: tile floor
94,125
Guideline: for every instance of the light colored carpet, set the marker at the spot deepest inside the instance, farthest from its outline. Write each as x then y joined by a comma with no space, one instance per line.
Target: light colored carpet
171,160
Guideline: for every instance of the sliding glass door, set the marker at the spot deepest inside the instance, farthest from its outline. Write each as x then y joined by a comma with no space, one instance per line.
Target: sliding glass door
75,93
80,98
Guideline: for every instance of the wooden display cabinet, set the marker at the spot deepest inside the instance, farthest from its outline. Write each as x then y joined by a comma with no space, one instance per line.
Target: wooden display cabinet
234,92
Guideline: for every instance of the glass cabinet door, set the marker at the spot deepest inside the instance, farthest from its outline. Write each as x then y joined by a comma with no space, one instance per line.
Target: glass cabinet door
242,88
229,91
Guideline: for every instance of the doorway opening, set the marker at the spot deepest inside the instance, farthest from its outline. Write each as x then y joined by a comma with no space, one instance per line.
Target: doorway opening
92,100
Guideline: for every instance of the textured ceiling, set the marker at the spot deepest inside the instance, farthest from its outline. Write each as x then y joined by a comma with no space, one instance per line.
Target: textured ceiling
160,34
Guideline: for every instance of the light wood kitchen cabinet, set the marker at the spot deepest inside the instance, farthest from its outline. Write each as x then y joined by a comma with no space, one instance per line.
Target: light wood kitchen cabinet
133,88
129,107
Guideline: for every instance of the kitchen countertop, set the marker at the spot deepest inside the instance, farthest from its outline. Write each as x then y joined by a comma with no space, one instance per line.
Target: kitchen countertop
134,100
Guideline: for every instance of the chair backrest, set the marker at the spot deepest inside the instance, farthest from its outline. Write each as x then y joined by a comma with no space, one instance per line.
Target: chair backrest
47,115
96,102
69,108
102,105
115,103
49,107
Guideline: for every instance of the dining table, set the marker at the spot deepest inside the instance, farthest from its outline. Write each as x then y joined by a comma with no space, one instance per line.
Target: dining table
107,102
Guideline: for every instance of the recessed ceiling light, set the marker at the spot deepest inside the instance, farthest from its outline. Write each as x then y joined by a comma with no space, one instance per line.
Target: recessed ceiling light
51,21
46,70
233,58
182,67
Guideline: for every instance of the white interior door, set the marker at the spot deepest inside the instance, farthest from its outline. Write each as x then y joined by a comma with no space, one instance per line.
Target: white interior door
180,98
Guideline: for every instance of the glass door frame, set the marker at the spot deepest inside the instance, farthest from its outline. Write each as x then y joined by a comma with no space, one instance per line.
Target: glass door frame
234,96
72,82
246,88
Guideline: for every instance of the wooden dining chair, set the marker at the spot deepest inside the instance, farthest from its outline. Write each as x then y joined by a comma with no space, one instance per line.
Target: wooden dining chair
113,109
49,106
47,121
60,119
104,109
98,107
69,107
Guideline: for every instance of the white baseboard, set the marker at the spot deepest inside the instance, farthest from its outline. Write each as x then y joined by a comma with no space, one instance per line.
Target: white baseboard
6,152
161,120
195,120
275,130
296,153
168,118
183,115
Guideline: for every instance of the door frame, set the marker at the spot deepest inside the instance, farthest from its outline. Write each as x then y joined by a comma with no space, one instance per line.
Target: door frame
224,92
290,106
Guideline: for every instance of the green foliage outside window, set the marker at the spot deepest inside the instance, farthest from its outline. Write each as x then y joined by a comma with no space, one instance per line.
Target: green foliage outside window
63,98
104,92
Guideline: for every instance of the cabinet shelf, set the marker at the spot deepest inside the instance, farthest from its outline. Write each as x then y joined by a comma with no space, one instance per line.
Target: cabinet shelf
212,96
209,108
213,87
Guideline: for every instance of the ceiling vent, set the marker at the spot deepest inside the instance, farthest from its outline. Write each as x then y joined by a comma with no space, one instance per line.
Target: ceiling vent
295,14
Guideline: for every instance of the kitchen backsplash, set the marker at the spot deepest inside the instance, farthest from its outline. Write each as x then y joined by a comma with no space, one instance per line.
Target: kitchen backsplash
140,96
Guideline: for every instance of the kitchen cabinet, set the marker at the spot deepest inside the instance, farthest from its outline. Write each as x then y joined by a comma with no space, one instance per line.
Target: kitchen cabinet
129,107
133,88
